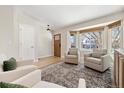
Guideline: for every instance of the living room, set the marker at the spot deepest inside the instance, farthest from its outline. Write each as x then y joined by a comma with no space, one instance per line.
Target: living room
79,51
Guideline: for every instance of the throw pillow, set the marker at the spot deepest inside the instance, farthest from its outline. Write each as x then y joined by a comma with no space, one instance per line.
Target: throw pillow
12,59
9,64
10,85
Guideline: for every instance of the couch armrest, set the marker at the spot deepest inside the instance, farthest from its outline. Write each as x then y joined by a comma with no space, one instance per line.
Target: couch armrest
10,76
30,79
26,62
106,60
86,55
82,83
65,54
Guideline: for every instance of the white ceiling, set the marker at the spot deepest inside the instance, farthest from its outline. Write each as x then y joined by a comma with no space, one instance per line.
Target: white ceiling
60,16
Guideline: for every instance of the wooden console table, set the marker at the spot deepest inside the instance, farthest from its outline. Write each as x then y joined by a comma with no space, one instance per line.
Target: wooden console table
119,68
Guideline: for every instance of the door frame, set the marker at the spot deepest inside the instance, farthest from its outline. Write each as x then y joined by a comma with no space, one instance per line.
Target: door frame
20,43
60,43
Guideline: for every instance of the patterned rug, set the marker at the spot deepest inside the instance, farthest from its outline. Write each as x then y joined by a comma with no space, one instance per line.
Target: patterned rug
68,75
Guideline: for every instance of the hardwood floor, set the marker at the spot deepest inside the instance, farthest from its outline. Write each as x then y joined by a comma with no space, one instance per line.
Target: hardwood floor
43,62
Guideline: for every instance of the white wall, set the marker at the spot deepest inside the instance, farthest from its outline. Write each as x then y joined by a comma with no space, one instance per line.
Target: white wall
10,18
9,27
43,38
7,31
104,19
44,43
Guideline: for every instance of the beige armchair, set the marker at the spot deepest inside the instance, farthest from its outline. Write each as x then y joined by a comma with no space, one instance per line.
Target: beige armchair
72,56
98,60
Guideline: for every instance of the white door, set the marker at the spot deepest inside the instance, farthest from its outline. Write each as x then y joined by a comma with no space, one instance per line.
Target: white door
27,45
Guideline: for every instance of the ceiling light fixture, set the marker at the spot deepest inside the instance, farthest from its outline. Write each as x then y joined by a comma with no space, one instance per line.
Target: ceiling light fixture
48,28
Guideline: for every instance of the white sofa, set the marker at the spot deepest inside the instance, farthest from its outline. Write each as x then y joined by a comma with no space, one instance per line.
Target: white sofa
28,75
23,68
33,80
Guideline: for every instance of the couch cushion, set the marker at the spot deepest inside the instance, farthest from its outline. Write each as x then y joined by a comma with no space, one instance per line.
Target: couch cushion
104,51
94,60
24,62
44,84
10,76
29,79
96,55
27,67
73,51
101,51
71,56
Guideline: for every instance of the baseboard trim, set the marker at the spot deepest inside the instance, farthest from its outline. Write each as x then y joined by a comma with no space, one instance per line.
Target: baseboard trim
43,57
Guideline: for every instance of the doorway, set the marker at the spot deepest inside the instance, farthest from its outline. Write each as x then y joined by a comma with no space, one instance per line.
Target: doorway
57,45
27,44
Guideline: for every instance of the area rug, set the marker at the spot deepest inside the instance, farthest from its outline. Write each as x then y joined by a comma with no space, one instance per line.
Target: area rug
68,75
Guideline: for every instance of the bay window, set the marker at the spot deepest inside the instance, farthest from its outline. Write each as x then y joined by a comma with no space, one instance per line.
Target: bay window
91,40
73,40
115,29
115,37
